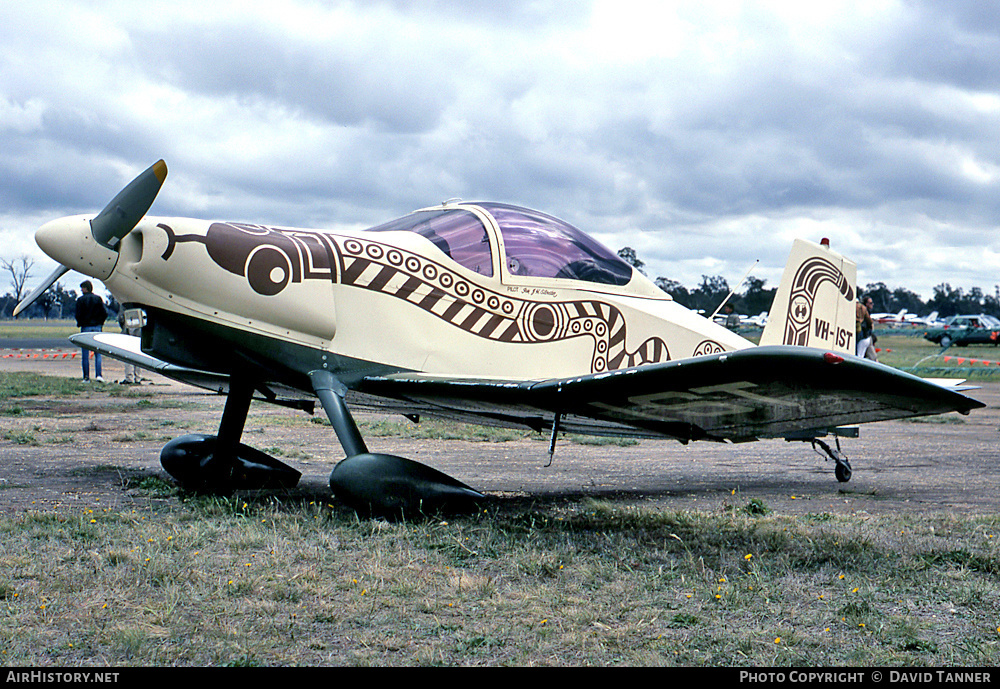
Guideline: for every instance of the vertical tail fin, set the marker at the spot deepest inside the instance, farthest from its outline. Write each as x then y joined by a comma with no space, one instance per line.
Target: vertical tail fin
814,304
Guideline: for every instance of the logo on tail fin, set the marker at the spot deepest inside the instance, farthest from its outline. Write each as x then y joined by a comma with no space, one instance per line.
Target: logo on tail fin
808,278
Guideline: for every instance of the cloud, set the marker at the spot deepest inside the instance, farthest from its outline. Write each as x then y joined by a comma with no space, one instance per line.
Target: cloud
705,135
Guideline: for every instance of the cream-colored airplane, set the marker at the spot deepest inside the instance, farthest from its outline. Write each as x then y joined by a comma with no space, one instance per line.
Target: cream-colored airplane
481,312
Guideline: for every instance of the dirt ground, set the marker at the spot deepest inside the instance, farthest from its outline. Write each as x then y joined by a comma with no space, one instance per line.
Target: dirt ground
93,449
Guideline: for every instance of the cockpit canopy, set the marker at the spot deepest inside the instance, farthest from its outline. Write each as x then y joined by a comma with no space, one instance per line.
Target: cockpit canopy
535,244
459,233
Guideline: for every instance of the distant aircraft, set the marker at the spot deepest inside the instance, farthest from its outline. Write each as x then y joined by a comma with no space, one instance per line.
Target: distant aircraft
895,320
892,319
930,320
760,320
481,312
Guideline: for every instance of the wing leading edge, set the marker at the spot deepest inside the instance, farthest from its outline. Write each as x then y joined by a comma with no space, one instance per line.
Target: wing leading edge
127,348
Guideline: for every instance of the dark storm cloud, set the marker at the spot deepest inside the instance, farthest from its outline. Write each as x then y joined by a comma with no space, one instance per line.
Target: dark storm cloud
704,134
945,42
385,83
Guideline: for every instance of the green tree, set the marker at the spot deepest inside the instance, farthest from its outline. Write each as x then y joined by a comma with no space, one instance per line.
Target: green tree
675,289
757,298
628,254
710,293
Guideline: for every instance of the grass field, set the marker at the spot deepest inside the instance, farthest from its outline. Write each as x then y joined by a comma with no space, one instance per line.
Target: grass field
263,580
907,350
38,328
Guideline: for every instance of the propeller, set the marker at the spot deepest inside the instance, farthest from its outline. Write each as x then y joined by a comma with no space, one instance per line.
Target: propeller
126,210
117,219
38,291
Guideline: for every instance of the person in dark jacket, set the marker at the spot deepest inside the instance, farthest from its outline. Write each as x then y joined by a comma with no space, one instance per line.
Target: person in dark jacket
90,317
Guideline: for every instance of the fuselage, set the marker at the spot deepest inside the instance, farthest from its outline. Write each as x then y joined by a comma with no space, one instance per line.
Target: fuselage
470,290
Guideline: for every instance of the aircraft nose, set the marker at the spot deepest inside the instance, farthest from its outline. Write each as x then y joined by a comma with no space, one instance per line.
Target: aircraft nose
71,242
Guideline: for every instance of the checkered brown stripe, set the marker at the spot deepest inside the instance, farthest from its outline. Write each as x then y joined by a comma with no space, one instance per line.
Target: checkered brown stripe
466,305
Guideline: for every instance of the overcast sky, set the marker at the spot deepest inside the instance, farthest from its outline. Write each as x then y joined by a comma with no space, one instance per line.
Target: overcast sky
703,134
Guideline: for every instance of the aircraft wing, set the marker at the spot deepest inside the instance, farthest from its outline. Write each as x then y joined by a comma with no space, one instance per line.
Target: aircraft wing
127,348
762,392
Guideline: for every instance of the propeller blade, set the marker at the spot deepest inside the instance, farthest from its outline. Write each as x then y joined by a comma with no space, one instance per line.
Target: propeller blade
38,291
126,210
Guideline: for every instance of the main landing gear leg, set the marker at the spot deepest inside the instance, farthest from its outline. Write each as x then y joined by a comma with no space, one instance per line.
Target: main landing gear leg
221,463
381,484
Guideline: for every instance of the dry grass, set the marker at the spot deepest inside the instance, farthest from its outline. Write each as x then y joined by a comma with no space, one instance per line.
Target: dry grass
36,328
272,580
269,582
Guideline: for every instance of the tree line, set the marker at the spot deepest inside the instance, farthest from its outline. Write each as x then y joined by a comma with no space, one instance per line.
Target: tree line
756,297
60,302
57,301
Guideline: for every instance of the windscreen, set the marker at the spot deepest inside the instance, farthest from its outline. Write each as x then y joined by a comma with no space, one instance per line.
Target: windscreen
460,234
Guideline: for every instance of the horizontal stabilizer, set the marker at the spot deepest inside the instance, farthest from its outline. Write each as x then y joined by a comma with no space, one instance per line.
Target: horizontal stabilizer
956,384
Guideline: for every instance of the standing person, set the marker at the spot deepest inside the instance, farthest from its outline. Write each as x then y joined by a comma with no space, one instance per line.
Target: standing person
132,376
732,318
90,317
864,328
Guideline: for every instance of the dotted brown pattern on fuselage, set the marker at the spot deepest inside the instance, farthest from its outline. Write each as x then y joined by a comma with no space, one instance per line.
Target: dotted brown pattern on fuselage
272,258
493,315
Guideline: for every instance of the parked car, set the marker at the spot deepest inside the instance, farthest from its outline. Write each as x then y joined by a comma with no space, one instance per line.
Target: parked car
965,330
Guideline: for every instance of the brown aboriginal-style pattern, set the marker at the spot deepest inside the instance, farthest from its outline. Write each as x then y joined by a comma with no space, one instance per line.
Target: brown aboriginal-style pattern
808,278
272,258
493,315
708,347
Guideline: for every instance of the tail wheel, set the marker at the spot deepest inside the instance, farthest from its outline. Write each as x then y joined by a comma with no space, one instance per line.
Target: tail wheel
843,471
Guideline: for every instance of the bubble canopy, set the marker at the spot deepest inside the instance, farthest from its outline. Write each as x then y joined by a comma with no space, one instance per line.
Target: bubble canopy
535,244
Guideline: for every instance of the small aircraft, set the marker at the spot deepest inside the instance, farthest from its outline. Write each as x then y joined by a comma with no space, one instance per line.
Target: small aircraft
890,319
481,312
759,321
930,320
895,320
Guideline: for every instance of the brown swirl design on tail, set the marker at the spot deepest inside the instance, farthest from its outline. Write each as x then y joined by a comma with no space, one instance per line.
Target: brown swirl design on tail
805,284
